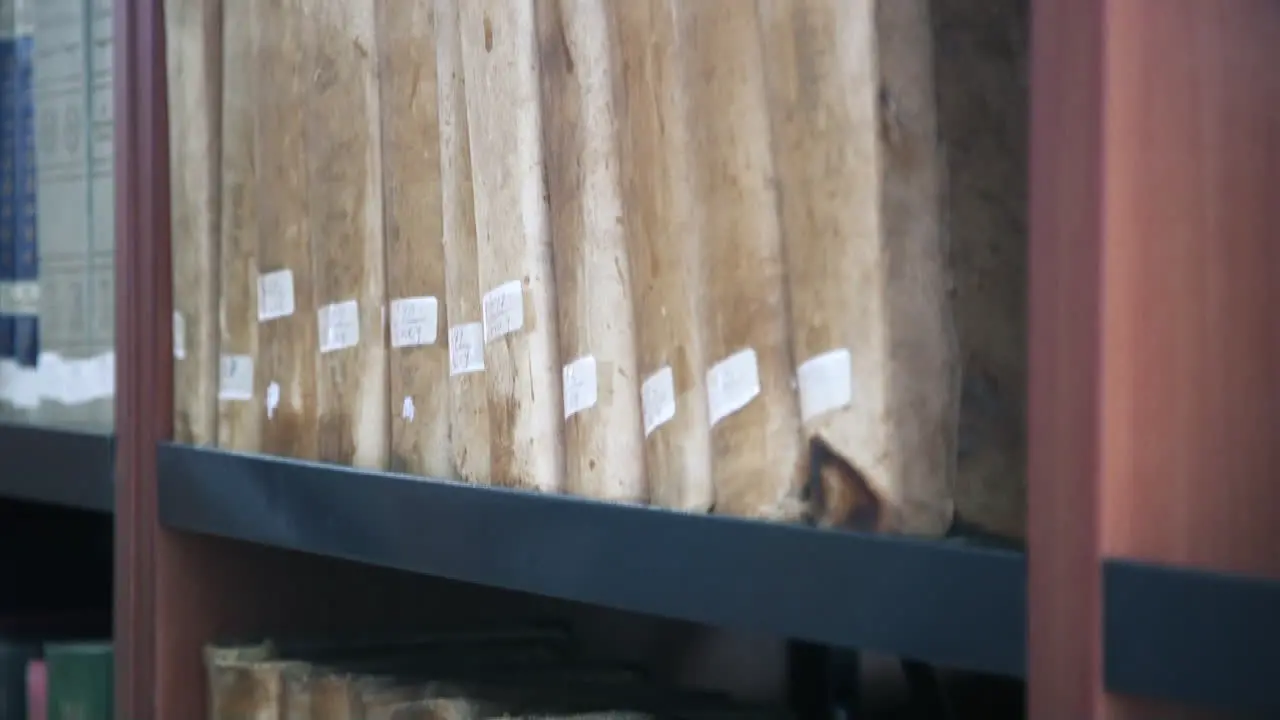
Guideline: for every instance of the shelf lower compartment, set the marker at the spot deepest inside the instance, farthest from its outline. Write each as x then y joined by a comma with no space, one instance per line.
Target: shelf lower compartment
1190,635
943,602
57,467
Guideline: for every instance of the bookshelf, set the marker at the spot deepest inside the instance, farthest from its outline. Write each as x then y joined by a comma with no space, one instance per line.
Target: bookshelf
57,467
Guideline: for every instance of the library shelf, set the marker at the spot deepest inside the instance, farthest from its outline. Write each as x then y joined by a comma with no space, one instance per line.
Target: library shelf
57,467
1192,636
949,603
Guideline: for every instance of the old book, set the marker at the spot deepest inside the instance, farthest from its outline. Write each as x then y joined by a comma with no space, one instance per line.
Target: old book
102,201
80,679
855,137
248,690
663,246
287,333
522,366
194,64
37,686
469,399
416,298
981,60
755,424
239,414
344,194
23,296
603,441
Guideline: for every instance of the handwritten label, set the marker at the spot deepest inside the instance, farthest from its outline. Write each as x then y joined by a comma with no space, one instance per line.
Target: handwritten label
275,295
503,310
407,411
466,348
179,336
414,321
658,399
581,388
826,383
339,326
732,383
235,377
273,399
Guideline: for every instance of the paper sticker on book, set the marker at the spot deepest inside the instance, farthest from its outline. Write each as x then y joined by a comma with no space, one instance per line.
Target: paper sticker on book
732,383
581,389
275,295
466,348
235,377
503,310
179,336
339,326
414,321
658,399
826,383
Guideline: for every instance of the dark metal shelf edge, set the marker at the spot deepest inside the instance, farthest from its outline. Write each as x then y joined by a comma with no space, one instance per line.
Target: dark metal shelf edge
939,602
1192,636
58,467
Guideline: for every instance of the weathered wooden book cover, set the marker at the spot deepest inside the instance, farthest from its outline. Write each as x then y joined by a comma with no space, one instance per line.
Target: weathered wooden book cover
239,414
469,398
664,247
604,443
248,690
981,58
855,137
286,362
344,195
416,297
218,658
755,422
523,371
193,51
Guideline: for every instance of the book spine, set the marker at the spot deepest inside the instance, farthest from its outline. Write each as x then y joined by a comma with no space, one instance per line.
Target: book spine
37,691
8,178
80,677
25,297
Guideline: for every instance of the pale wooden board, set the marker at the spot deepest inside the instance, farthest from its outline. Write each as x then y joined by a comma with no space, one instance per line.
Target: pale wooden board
469,398
757,458
419,374
663,238
194,65
862,226
239,420
286,345
499,50
982,65
344,198
604,450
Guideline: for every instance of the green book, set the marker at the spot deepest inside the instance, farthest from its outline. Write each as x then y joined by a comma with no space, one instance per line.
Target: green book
81,675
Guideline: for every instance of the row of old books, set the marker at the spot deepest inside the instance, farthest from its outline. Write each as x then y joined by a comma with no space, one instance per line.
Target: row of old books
522,672
763,259
46,675
57,276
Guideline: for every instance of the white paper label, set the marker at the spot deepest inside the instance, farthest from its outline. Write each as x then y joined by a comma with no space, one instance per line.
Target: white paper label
503,310
658,399
826,383
581,389
466,348
273,399
275,295
414,321
339,326
731,384
179,336
235,377
407,410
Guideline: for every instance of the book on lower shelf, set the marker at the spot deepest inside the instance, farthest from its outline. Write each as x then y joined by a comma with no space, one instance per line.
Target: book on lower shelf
80,680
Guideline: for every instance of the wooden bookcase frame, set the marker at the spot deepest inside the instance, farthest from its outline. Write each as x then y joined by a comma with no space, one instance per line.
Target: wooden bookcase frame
1153,229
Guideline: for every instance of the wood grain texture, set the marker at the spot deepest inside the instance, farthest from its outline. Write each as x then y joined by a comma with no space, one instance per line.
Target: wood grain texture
664,248
286,345
604,442
194,63
469,395
247,690
855,136
239,417
499,50
756,450
415,259
344,197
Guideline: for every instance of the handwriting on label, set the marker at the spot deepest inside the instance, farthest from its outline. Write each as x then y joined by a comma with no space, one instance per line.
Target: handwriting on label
658,399
825,383
339,326
732,383
275,295
235,377
466,348
581,387
414,321
503,310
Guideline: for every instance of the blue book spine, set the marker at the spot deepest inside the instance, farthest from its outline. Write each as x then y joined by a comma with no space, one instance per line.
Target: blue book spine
26,269
8,182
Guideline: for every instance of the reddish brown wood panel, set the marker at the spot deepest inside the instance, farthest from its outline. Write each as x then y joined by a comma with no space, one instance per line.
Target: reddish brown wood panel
1064,656
1192,346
